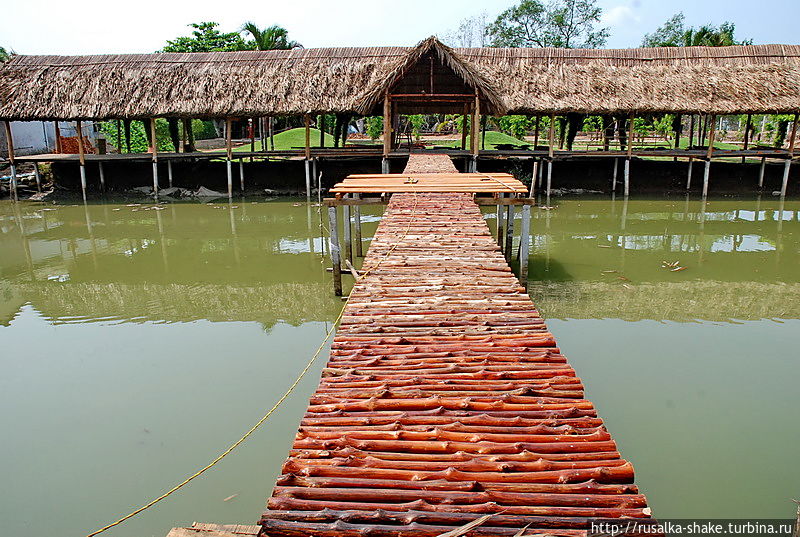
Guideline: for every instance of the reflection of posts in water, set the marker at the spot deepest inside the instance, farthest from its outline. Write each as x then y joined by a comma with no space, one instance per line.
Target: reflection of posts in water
686,208
162,241
308,228
779,235
624,218
234,234
91,234
26,246
701,238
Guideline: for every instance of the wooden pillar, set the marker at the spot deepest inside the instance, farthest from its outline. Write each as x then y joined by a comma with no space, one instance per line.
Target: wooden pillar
229,154
358,238
747,127
524,245
464,127
549,179
81,157
788,163
509,231
536,133
707,169
476,132
534,173
483,132
154,155
627,172
57,130
169,173
550,152
347,235
307,120
761,172
322,130
241,175
12,160
689,174
387,132
336,261
500,225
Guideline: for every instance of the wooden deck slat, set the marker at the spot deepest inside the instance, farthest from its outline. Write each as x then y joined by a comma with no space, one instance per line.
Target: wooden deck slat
445,397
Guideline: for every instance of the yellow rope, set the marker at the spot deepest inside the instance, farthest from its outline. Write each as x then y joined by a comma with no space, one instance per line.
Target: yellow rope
274,407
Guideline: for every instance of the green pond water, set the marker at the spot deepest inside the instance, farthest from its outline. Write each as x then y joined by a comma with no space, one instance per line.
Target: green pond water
137,343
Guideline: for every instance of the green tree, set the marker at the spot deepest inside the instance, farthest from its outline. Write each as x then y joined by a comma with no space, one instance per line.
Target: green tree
675,33
270,38
207,38
5,55
561,23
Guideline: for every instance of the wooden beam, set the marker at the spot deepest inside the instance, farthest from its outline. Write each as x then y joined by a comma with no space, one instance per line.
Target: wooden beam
551,135
322,130
336,261
524,245
81,157
630,134
57,130
536,132
476,126
229,154
11,159
711,136
464,127
793,137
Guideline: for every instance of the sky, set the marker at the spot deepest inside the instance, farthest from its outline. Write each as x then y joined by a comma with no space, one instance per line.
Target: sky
55,27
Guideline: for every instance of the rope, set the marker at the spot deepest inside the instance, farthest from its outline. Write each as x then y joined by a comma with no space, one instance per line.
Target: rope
274,407
493,178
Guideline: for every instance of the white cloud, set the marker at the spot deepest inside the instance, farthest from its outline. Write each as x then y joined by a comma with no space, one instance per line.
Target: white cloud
619,15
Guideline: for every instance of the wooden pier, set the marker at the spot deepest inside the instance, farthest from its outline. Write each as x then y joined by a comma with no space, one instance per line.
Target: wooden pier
446,399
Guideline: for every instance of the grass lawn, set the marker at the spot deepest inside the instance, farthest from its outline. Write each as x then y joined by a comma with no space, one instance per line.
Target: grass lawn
492,138
291,139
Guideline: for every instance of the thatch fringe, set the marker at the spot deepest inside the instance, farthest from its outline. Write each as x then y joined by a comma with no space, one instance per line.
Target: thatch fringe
718,80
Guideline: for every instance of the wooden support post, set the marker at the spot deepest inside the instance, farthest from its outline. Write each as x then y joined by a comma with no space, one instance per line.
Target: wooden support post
747,127
464,127
788,163
541,173
549,179
314,174
271,124
627,172
509,231
387,133
689,175
476,132
358,237
483,132
709,153
169,173
347,235
321,130
102,175
524,245
691,131
534,173
57,130
81,157
229,154
241,175
336,261
761,172
37,174
154,155
536,133
308,179
500,226
551,136
11,159
307,120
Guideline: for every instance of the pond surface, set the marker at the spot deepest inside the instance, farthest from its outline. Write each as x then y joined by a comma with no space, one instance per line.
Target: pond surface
137,343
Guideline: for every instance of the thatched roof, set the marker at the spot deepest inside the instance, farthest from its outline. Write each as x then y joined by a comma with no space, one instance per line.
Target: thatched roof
721,80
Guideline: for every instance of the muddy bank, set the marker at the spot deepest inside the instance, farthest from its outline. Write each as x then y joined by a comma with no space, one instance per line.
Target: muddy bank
647,176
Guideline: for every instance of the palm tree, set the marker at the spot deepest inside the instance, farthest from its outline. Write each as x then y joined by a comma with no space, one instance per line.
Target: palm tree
270,38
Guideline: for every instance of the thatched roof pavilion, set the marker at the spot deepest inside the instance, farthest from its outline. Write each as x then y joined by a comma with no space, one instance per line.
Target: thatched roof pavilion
714,80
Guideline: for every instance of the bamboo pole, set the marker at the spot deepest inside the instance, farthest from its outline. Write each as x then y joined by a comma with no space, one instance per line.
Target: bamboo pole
11,159
81,157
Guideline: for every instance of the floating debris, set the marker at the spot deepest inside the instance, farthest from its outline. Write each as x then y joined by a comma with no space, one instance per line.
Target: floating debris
229,498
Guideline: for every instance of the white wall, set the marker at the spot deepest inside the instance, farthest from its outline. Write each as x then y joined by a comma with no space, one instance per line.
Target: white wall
32,137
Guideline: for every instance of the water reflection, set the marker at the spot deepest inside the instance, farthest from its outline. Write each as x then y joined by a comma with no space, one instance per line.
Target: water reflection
599,258
219,261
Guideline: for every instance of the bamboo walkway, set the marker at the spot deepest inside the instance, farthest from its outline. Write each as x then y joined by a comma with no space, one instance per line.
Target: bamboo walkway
445,399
